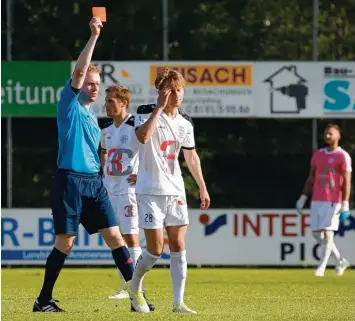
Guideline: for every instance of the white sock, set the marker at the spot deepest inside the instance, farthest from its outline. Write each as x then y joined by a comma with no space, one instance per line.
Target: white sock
336,252
178,272
135,252
327,245
319,236
144,263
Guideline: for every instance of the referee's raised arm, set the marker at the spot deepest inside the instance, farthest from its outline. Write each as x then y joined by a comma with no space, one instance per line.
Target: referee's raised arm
77,84
84,59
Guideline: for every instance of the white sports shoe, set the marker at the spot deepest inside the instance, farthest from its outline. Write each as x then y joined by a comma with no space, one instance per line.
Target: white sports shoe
138,302
319,273
181,307
342,265
121,294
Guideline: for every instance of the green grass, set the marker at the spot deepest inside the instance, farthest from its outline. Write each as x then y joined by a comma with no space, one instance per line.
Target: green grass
216,294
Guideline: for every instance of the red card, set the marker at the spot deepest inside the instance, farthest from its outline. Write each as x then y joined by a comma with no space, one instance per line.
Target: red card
99,12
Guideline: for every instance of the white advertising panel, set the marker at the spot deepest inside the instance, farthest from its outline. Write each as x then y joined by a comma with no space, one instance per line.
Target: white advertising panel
284,89
304,89
214,89
238,89
338,89
27,237
215,237
259,237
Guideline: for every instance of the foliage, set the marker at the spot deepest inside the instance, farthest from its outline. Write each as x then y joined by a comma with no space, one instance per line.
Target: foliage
198,30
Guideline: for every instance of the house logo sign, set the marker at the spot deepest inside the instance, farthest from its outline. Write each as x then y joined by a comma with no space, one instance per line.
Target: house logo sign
288,91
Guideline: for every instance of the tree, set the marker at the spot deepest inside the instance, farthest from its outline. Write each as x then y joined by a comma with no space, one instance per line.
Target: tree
198,30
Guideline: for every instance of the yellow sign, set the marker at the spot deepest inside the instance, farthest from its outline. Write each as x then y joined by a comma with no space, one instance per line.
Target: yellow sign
209,75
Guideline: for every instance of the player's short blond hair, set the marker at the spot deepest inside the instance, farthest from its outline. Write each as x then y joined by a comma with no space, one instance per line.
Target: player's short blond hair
169,78
120,92
93,68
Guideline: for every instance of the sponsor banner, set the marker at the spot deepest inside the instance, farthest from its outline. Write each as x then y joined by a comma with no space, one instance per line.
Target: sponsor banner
304,90
215,237
32,89
213,89
259,237
286,89
27,237
339,89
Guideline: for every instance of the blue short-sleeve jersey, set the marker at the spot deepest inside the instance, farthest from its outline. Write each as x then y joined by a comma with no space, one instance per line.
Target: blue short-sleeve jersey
78,134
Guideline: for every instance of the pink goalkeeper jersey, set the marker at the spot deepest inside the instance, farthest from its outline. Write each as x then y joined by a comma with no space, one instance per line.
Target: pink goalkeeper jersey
329,167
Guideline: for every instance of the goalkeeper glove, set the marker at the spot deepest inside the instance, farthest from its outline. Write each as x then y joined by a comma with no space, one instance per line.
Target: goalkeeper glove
300,203
344,211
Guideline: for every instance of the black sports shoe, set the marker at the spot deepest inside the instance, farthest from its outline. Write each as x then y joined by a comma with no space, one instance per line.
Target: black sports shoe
151,306
47,307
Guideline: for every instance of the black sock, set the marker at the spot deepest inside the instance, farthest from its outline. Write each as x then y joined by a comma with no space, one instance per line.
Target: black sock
123,262
55,262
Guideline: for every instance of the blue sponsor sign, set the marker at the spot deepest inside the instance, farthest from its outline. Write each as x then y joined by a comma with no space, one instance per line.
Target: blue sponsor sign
27,237
339,90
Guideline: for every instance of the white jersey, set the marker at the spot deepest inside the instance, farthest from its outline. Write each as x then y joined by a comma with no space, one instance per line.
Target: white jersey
159,170
121,145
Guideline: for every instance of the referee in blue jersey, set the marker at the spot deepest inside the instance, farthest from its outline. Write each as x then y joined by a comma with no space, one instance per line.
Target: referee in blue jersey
77,192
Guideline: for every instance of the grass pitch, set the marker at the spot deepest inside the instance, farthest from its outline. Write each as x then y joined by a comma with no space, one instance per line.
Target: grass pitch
216,294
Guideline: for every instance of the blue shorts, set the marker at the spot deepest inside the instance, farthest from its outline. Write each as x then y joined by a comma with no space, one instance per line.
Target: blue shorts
80,198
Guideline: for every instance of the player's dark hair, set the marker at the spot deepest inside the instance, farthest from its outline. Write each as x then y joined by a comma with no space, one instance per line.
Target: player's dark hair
335,126
341,142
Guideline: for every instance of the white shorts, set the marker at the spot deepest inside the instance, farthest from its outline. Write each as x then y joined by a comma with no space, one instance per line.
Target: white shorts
325,216
158,211
125,208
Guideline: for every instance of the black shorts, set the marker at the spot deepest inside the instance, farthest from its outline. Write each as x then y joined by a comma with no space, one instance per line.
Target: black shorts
80,198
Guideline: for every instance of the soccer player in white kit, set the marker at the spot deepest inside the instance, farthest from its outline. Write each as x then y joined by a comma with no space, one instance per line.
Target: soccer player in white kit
119,158
163,130
329,182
